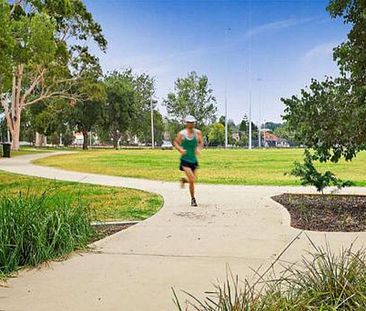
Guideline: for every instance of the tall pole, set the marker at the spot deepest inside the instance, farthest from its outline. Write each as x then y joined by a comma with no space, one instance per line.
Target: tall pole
226,107
250,119
250,76
260,116
226,123
152,123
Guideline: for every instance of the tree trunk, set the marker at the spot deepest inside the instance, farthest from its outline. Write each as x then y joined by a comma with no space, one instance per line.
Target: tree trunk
40,140
85,141
116,138
15,134
15,130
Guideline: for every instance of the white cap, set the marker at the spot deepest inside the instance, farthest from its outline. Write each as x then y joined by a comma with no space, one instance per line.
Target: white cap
190,119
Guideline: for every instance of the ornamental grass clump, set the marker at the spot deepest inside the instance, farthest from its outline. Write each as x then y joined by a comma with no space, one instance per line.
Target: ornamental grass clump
37,228
322,281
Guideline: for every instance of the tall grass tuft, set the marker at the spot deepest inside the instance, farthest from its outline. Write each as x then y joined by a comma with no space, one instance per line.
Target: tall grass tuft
36,228
323,281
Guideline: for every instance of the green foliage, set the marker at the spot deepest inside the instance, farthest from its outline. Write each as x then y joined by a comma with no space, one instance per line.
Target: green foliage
283,131
192,96
309,175
350,55
85,114
120,110
272,125
55,139
323,281
244,140
34,229
67,138
47,53
6,45
144,132
328,119
216,134
128,98
329,115
172,127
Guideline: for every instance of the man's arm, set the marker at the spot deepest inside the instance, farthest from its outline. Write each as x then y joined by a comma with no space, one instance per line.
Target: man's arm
177,144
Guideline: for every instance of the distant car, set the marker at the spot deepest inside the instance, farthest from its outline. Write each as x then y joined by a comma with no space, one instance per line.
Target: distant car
166,145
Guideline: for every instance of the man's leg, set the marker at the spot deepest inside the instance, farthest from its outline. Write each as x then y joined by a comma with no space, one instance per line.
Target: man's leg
191,179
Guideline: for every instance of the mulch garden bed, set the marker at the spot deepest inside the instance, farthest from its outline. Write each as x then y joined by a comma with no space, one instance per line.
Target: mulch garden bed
109,229
328,212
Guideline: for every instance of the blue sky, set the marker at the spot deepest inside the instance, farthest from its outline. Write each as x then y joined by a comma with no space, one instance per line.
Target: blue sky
273,48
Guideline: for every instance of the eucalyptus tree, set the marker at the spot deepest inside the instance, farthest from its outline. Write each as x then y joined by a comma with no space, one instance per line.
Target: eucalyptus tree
45,55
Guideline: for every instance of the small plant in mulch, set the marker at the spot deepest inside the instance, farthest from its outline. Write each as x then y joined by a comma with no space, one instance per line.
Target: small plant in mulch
323,212
310,176
343,213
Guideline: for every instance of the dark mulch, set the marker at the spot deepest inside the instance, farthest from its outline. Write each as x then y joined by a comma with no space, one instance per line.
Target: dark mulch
329,212
103,231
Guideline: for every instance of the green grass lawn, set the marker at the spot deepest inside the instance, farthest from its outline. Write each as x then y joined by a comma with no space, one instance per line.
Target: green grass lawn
107,203
239,167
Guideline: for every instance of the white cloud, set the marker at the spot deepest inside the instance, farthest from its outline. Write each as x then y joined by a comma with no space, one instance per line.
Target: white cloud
278,25
320,51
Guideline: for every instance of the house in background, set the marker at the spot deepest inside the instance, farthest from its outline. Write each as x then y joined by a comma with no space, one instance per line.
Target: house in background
271,140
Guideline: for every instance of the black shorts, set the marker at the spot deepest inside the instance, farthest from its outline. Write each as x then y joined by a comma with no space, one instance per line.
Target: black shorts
192,166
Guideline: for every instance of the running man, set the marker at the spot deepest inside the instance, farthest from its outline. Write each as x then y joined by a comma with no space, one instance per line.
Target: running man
189,143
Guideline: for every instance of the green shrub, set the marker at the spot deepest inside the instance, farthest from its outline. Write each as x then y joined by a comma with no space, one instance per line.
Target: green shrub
34,229
322,282
309,175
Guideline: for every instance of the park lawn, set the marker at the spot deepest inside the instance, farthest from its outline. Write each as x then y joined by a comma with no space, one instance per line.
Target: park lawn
217,166
107,203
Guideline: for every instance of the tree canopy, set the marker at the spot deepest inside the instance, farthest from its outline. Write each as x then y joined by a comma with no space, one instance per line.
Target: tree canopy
329,115
46,54
192,96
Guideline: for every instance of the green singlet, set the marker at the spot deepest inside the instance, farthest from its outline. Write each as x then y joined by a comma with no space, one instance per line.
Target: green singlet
189,144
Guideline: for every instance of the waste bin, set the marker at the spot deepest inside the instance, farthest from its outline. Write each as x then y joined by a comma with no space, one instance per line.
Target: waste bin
6,150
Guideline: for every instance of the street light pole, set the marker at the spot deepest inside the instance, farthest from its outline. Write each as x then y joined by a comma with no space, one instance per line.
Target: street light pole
226,123
226,107
250,119
260,116
250,76
152,123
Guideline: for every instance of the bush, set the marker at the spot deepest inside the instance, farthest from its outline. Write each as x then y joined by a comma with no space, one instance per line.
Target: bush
68,138
38,228
323,282
309,175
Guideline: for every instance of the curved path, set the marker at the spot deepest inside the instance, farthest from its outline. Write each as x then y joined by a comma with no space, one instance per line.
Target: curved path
181,247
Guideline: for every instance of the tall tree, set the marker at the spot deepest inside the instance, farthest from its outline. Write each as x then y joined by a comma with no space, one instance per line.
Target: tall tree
192,96
329,115
128,104
50,43
86,112
120,110
6,46
243,126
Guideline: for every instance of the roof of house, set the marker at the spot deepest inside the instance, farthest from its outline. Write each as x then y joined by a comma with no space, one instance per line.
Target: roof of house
268,136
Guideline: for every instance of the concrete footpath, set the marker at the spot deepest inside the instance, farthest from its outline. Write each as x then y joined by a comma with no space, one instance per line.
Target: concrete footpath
181,247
